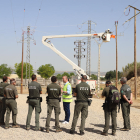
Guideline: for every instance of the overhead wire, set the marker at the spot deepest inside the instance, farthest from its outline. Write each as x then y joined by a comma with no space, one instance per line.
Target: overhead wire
13,20
38,12
24,12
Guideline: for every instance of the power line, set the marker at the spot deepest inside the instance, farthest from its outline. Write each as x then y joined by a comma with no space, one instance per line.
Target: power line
24,12
38,13
13,20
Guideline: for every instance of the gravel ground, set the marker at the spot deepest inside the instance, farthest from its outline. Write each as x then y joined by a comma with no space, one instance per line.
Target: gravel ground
93,128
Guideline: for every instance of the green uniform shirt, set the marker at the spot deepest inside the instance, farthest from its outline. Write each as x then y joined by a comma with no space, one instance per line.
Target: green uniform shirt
10,91
106,92
83,91
34,89
53,90
125,90
2,87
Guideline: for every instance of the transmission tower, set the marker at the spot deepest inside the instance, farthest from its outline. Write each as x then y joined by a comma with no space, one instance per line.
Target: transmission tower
88,62
28,55
79,49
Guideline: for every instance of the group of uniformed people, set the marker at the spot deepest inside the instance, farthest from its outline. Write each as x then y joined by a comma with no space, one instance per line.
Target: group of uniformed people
8,95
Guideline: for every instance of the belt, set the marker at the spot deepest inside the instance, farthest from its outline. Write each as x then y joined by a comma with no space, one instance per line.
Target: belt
81,101
10,98
1,96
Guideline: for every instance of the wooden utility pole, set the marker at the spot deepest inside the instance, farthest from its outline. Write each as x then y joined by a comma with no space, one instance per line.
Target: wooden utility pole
135,54
21,91
116,23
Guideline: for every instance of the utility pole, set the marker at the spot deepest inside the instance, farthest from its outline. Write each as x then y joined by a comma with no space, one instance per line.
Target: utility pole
135,51
28,55
21,91
79,49
99,48
88,61
116,23
135,55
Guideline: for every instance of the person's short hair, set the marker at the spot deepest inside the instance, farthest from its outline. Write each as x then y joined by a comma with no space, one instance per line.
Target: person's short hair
5,78
12,80
53,79
33,77
124,79
108,82
84,77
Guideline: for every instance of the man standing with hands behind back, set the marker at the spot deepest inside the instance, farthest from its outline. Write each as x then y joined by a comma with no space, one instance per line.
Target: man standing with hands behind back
67,98
126,101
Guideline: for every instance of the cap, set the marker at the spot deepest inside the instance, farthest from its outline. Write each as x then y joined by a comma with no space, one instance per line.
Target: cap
108,82
124,79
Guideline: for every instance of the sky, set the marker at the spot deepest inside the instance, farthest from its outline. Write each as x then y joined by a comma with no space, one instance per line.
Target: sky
64,17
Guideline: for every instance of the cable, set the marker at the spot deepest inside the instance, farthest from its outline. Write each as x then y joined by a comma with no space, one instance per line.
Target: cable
13,20
24,12
38,12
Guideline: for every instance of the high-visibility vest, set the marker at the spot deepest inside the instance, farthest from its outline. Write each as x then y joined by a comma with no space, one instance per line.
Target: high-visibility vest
67,97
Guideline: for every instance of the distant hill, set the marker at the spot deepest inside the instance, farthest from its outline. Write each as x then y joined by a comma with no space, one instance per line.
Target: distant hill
61,72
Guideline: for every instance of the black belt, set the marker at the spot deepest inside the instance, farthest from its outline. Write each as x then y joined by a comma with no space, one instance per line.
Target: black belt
1,96
81,101
10,98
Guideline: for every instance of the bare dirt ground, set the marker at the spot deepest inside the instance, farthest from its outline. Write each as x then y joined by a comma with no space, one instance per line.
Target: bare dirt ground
93,128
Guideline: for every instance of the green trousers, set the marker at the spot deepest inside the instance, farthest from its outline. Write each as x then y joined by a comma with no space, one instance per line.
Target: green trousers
53,104
126,114
110,111
33,103
11,105
2,109
83,108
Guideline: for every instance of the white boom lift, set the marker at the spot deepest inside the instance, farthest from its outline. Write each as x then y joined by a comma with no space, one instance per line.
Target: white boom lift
104,36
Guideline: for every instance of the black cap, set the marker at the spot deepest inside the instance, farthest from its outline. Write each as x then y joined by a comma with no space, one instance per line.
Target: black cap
108,82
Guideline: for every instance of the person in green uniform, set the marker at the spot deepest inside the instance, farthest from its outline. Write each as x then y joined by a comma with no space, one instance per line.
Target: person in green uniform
82,93
54,91
2,99
34,102
109,110
10,92
126,101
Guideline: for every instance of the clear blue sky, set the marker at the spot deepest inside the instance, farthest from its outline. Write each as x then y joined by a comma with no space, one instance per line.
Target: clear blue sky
59,17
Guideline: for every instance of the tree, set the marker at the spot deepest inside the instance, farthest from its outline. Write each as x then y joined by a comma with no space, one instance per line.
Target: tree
71,74
59,76
5,70
93,76
18,67
66,74
128,70
112,75
46,71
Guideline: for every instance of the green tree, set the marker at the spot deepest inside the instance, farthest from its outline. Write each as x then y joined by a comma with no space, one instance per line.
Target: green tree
18,67
46,71
71,74
112,75
128,70
59,76
5,70
93,76
66,74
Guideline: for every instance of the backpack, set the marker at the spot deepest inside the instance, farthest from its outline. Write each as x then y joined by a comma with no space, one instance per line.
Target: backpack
114,95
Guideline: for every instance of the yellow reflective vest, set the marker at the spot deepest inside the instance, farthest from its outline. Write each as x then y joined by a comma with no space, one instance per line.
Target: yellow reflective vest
67,97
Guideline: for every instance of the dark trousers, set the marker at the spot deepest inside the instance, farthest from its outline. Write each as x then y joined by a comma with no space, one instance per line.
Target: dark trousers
126,114
2,109
66,106
11,105
33,103
83,108
110,111
53,104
